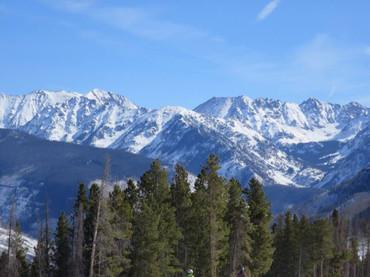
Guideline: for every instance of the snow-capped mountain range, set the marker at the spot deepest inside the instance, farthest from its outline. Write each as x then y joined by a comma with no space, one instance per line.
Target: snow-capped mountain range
308,144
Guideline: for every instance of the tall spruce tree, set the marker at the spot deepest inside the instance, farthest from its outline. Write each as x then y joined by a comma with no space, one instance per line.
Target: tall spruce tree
77,259
120,222
322,245
286,255
199,229
89,224
155,232
304,244
181,200
338,264
237,218
260,217
277,266
132,194
218,232
62,247
209,250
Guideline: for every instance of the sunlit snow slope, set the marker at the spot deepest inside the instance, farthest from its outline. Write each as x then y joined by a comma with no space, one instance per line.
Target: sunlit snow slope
307,144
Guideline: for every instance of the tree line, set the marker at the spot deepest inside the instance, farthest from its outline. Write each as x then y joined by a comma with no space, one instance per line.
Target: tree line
155,228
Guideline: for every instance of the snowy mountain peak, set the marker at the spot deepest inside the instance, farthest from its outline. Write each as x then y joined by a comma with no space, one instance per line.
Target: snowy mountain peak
250,135
103,96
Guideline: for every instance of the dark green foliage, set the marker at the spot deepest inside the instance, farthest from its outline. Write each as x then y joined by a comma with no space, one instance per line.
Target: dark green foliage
77,257
322,243
62,247
132,194
260,217
217,200
210,232
181,200
155,231
119,219
81,198
89,223
286,249
237,219
199,229
341,255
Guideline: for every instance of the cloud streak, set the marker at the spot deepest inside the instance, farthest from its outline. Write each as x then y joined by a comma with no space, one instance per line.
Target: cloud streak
321,67
133,20
268,10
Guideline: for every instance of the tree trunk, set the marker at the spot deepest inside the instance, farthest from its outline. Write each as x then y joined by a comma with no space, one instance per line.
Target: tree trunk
77,246
93,250
300,262
96,227
11,270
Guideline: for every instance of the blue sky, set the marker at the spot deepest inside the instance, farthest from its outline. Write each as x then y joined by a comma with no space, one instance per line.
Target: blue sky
184,52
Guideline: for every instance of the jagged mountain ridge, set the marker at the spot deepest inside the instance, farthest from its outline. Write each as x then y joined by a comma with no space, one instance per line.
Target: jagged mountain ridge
270,138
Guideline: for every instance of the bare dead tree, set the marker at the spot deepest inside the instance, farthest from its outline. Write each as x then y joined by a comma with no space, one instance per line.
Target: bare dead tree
105,179
12,262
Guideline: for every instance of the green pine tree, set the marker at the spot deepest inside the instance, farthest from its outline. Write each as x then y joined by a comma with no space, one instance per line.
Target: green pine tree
199,229
132,194
62,247
304,239
217,200
321,244
210,234
277,266
341,254
286,255
155,232
89,223
260,217
181,200
77,257
237,218
120,233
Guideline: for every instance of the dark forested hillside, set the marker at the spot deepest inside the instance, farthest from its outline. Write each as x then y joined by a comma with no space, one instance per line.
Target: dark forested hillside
34,170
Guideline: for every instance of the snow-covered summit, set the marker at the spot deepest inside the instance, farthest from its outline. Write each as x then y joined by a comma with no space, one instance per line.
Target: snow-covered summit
286,122
251,136
103,96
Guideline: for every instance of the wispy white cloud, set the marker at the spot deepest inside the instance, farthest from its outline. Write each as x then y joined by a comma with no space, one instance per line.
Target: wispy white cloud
321,67
268,9
134,20
141,23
